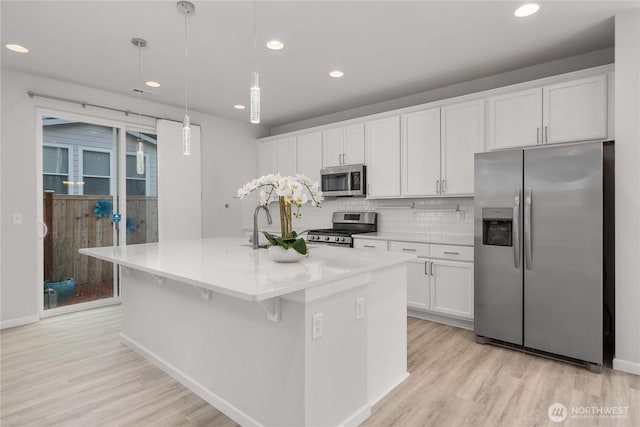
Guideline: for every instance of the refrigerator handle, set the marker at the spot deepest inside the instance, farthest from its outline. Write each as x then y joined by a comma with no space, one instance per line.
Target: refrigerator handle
527,228
516,229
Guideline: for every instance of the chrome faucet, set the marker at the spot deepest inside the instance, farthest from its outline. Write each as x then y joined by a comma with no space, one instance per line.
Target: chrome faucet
255,224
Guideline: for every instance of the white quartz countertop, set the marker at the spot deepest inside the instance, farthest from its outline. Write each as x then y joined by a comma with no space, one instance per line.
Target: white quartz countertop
229,266
437,239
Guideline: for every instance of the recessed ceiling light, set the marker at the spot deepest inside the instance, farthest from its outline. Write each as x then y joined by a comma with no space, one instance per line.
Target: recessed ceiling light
275,44
17,48
151,83
526,10
336,73
239,107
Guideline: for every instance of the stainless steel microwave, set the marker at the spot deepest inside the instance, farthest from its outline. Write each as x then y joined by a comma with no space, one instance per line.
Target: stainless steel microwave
347,180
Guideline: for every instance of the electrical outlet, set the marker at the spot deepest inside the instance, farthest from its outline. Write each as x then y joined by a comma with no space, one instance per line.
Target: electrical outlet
359,308
316,326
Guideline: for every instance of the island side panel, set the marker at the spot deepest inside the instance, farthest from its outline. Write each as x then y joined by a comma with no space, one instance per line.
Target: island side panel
224,349
336,362
386,312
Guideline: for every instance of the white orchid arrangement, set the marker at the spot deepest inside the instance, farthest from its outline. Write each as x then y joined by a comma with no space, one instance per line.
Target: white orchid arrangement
295,190
291,191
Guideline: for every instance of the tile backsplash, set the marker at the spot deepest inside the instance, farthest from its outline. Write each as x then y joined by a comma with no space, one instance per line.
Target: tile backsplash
434,216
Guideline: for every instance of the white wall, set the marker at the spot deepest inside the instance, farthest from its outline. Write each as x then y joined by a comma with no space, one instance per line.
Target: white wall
627,184
228,153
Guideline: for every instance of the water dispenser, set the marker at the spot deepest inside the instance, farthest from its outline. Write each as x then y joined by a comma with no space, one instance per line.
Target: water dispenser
497,226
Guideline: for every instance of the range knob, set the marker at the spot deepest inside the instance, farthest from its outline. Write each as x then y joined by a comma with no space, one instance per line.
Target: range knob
337,239
342,239
326,238
312,237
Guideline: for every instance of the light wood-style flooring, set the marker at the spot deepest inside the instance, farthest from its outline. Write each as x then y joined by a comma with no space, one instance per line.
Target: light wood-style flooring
72,370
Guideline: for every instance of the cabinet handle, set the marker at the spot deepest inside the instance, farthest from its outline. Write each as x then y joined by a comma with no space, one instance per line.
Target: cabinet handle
437,186
368,188
444,185
369,246
537,135
546,134
408,249
452,253
426,264
430,269
344,158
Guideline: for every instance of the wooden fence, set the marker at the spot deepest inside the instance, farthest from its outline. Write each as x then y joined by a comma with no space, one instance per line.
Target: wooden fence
73,224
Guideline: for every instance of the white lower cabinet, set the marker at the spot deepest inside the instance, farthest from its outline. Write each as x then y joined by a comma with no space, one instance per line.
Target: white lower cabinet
452,288
418,295
439,281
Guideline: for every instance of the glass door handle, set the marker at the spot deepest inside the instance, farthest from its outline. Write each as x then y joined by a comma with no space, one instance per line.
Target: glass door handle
43,230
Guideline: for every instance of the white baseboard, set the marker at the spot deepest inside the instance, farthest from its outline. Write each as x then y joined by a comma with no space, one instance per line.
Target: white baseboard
376,399
358,417
213,399
451,321
12,323
626,366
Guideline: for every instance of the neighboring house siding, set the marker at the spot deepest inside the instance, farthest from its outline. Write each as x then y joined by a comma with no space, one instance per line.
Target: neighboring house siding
90,136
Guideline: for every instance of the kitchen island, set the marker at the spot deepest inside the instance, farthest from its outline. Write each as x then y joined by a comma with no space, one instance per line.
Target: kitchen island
316,342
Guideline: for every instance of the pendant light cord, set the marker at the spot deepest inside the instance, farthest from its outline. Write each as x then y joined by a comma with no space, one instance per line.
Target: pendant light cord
139,90
186,72
255,43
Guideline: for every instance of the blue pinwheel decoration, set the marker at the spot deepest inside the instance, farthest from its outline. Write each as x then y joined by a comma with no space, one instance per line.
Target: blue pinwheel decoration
131,225
103,208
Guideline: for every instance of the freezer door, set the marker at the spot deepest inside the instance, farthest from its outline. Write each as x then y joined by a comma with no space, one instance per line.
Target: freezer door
563,250
497,246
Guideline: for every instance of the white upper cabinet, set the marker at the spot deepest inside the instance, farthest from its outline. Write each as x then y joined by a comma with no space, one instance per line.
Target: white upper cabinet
353,144
563,112
515,119
421,153
287,159
438,148
277,156
575,111
343,145
382,149
462,127
310,155
267,158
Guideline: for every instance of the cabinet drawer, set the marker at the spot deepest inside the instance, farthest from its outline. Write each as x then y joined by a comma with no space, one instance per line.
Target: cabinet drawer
374,245
420,249
459,253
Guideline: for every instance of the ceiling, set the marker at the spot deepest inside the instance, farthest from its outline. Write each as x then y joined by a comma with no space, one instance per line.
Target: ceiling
387,49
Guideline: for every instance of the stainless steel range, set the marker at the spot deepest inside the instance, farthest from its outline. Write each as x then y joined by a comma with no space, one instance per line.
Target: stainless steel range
345,225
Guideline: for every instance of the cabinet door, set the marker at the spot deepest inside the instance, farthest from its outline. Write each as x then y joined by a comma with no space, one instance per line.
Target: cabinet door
421,153
267,158
332,147
418,293
310,155
383,157
353,144
287,156
452,288
515,119
462,137
576,110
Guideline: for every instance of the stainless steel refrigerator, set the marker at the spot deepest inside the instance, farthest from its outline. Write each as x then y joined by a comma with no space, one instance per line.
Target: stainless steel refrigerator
539,261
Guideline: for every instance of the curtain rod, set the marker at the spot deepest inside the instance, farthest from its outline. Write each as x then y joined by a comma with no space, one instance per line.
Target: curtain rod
88,104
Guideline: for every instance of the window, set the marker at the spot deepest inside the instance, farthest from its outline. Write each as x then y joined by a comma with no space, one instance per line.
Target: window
96,172
136,183
55,168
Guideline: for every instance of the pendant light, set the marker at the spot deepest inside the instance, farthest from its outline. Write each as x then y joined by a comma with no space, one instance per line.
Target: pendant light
186,8
255,87
139,43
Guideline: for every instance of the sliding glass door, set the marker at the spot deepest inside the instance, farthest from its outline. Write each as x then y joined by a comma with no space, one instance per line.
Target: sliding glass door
99,188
